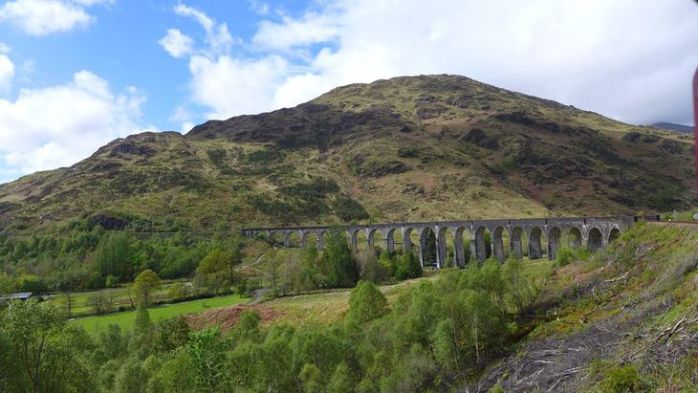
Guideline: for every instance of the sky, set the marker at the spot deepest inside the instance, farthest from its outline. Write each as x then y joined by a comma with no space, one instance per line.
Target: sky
76,74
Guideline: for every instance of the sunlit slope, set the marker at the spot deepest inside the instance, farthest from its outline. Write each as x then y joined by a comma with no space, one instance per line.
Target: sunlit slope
408,148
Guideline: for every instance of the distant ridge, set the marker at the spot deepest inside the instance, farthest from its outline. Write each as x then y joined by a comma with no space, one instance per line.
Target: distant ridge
674,127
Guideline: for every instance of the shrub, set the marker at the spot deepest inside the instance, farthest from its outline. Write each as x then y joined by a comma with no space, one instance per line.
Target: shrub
366,303
564,256
624,379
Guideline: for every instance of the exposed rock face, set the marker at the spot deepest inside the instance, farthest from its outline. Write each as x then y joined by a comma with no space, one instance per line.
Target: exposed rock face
107,222
478,137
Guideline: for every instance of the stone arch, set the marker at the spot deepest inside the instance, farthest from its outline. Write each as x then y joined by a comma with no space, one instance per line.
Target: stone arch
428,247
309,238
293,239
361,240
574,237
407,243
595,239
554,237
517,242
277,238
498,243
481,248
535,248
614,234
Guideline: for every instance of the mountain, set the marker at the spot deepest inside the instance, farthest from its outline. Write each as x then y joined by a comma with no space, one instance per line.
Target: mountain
407,148
674,127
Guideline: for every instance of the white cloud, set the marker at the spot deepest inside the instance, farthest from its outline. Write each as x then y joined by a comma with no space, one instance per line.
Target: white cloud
260,7
43,17
7,72
630,59
231,86
289,33
218,37
176,43
59,125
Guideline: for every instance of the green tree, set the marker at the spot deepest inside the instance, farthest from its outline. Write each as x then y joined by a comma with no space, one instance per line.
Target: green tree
344,272
311,379
111,343
48,353
521,291
146,282
408,266
142,332
341,380
113,256
171,334
131,377
308,275
216,270
207,358
366,303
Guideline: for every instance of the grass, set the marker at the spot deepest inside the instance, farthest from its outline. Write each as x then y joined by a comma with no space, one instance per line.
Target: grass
125,319
328,307
120,298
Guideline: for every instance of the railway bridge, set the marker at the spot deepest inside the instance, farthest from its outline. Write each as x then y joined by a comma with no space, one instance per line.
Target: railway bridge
534,237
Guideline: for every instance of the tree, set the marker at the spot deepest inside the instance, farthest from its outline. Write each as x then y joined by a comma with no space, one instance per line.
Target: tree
142,332
371,269
146,282
216,270
113,256
45,351
69,302
520,289
344,272
131,378
207,358
408,266
311,378
171,334
341,380
307,276
366,303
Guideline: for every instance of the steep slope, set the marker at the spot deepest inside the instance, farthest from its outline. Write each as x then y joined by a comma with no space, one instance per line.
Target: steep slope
626,319
408,148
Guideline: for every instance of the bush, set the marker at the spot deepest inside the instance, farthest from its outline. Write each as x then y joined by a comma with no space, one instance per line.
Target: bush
564,256
624,379
366,303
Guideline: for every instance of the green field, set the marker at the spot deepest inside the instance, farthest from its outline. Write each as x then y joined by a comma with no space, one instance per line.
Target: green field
125,319
120,297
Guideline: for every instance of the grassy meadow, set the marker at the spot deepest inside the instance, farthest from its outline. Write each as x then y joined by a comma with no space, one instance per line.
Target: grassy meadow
125,318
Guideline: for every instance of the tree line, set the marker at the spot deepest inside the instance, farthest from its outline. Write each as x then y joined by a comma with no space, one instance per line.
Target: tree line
435,336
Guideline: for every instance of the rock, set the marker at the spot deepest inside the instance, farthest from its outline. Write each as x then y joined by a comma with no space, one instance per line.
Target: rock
479,138
107,222
130,148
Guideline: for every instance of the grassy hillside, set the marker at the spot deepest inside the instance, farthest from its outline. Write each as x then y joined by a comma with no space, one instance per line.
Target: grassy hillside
409,148
624,320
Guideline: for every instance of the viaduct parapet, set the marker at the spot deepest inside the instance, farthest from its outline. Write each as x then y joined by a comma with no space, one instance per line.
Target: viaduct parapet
538,236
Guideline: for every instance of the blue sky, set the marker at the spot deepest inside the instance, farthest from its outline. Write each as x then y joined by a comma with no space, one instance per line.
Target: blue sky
75,74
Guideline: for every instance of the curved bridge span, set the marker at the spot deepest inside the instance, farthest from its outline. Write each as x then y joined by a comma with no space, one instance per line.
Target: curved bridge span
532,237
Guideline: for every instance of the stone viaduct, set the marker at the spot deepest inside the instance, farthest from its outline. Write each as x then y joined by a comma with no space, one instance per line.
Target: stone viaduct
487,237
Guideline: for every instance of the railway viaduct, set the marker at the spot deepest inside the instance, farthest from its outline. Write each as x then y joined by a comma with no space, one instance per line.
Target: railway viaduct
486,237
